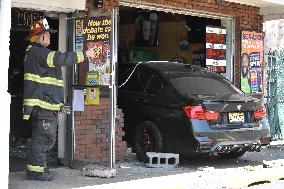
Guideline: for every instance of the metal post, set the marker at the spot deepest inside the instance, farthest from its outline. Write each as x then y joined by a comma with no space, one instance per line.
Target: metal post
62,123
113,85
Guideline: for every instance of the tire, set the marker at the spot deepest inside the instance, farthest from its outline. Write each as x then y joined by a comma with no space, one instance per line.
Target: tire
148,138
232,155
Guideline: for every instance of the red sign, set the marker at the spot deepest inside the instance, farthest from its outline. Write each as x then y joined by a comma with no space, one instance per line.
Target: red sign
216,49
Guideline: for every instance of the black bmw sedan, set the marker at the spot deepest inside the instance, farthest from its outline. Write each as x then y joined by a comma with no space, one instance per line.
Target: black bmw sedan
179,108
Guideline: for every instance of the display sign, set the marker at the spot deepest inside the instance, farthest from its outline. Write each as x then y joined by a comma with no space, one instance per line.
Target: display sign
252,61
96,33
216,49
78,35
92,93
97,29
24,18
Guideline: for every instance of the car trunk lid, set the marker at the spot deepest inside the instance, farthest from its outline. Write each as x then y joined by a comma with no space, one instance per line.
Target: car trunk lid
234,110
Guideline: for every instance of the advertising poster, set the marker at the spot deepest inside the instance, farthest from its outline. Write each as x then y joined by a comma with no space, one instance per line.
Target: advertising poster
78,35
252,61
92,93
216,49
97,33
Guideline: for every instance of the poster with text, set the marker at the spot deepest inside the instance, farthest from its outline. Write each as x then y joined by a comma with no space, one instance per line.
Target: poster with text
78,35
92,93
216,49
97,33
252,61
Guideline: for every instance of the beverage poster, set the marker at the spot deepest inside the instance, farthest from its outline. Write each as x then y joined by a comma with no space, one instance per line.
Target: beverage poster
92,93
97,33
216,49
252,61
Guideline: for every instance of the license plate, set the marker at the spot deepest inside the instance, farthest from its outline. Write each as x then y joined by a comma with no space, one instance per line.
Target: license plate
236,117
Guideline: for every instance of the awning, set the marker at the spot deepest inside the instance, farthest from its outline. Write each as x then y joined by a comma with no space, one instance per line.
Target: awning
50,5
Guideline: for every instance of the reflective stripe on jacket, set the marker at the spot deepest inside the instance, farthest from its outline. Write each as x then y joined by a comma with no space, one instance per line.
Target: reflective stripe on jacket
43,83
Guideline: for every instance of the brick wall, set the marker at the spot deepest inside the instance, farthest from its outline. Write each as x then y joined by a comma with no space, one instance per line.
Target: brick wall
108,5
92,131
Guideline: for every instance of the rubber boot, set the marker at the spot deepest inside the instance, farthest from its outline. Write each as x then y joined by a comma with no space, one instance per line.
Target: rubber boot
39,176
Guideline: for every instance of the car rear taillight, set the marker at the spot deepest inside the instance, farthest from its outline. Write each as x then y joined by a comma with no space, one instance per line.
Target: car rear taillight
199,112
258,114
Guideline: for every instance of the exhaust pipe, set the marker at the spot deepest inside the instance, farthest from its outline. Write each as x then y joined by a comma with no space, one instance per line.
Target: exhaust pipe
218,149
252,148
224,149
258,148
228,149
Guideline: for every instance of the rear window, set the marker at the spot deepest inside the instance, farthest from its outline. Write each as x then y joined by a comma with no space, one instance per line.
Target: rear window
200,86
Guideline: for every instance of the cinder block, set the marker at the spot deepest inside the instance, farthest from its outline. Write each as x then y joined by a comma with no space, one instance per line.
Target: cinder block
162,160
99,171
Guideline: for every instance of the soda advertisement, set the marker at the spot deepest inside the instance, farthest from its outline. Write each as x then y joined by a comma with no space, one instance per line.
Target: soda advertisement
92,93
216,49
252,61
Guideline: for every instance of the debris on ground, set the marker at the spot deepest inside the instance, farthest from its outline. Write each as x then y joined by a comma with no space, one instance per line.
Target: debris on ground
123,166
205,168
162,160
99,171
250,168
18,147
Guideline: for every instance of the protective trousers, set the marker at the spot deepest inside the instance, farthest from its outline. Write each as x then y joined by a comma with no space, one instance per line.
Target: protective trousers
44,128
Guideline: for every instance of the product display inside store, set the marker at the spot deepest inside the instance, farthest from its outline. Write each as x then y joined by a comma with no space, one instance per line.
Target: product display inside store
148,35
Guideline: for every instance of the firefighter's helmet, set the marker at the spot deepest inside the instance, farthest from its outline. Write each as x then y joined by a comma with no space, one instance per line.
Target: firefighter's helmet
38,27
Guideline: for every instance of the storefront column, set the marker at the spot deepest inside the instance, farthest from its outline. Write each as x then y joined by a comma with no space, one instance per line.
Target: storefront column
62,123
5,25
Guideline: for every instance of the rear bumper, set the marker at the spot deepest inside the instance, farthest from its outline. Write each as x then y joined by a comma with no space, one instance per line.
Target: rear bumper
221,140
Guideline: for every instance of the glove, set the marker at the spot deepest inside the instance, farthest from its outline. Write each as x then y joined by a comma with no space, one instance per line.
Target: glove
66,109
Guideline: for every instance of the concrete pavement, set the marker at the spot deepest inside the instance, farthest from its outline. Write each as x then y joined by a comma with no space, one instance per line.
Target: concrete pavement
208,178
198,173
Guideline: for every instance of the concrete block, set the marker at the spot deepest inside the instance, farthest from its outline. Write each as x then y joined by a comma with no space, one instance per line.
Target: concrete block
99,171
162,160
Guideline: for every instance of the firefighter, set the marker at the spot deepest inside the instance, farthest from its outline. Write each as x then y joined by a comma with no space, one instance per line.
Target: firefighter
43,94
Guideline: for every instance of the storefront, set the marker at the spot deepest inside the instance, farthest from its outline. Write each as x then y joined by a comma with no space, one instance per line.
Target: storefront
94,132
180,35
23,13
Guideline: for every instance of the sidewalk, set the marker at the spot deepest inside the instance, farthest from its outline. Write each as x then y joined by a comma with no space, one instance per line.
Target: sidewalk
67,178
199,173
215,178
